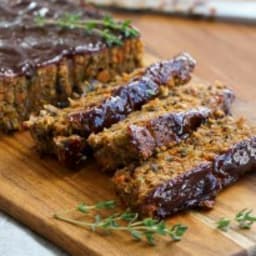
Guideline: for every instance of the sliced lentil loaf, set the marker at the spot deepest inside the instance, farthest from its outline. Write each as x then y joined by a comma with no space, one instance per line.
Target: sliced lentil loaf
103,107
73,150
158,125
130,97
119,145
192,173
47,64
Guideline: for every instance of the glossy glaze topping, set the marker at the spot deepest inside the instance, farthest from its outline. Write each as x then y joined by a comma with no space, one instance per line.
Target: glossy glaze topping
165,129
24,46
133,95
198,187
191,173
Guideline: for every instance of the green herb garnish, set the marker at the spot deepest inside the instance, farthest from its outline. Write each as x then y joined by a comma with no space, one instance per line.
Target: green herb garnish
103,27
128,221
223,224
100,205
244,218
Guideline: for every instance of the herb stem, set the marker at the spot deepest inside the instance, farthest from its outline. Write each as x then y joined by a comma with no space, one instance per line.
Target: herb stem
136,223
71,221
102,27
66,211
101,224
85,224
244,218
82,23
126,222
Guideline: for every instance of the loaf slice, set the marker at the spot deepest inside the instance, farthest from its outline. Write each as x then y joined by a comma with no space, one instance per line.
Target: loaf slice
103,108
133,95
159,124
73,150
120,145
192,173
53,121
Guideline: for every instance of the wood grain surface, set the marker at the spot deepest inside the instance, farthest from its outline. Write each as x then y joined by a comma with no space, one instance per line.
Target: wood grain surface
32,189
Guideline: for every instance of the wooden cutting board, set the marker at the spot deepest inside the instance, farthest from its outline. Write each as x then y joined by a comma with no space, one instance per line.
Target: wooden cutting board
33,189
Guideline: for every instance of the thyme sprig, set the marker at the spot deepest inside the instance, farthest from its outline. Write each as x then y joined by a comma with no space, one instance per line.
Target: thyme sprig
103,27
223,224
244,218
128,222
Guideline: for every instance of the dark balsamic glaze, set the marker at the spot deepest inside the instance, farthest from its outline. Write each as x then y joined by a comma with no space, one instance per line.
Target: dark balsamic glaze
199,186
196,188
132,96
24,46
161,131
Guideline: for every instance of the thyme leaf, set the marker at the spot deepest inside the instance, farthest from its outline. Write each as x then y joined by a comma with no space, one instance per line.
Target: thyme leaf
145,229
244,218
105,27
223,224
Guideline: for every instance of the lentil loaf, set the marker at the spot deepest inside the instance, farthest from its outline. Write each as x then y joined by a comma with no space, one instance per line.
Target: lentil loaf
192,173
158,125
73,150
104,107
115,147
47,64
